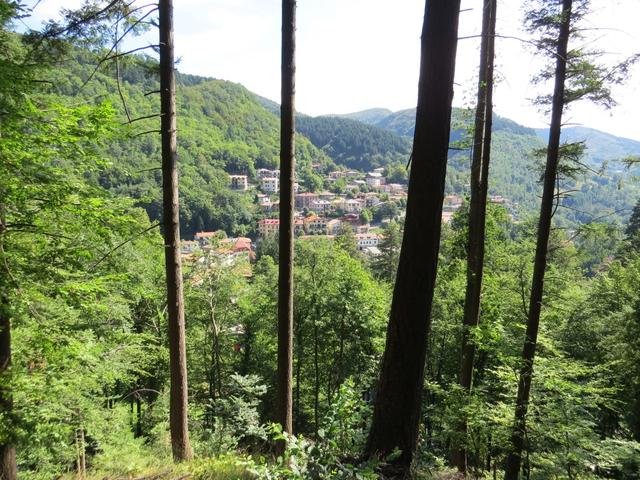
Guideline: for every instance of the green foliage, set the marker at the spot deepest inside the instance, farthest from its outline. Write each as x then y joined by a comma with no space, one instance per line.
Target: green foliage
354,144
235,419
223,129
632,231
306,460
385,265
346,424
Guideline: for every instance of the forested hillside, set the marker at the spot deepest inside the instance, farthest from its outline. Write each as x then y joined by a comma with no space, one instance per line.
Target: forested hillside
354,144
607,190
223,130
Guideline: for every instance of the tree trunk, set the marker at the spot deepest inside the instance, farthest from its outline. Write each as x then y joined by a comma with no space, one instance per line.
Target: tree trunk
477,215
8,467
287,179
138,416
514,460
82,456
178,419
298,373
316,384
398,403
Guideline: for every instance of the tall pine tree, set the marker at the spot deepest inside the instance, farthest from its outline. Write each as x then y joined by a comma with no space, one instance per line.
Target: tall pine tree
477,213
287,177
397,409
171,221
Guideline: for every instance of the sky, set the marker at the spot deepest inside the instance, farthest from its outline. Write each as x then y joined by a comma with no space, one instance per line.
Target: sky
358,54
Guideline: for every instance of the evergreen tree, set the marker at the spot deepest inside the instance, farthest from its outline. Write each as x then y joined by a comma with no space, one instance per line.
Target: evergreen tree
385,265
633,228
477,212
398,403
171,225
575,78
286,238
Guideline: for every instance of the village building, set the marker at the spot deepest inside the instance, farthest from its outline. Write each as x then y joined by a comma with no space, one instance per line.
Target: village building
270,206
352,219
352,205
326,195
334,226
239,182
374,179
451,202
304,200
270,184
314,225
395,188
187,247
236,247
366,240
266,173
371,199
321,206
204,238
268,226
372,251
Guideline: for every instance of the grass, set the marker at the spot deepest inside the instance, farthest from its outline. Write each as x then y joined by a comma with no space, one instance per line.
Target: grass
228,467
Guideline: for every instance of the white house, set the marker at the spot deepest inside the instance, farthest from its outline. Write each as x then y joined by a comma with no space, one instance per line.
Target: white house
266,173
375,179
239,182
271,184
367,240
320,206
352,205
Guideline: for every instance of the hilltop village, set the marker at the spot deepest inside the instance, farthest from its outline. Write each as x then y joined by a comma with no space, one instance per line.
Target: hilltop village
361,203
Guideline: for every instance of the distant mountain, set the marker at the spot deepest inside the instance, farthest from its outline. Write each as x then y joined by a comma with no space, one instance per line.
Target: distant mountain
371,116
349,141
354,144
515,173
601,146
401,122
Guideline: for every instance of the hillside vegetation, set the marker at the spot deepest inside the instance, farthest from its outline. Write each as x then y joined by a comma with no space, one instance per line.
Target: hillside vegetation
226,129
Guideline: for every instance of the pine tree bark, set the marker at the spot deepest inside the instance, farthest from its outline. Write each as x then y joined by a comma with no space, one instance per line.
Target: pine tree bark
477,214
514,460
178,408
287,179
8,466
397,409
